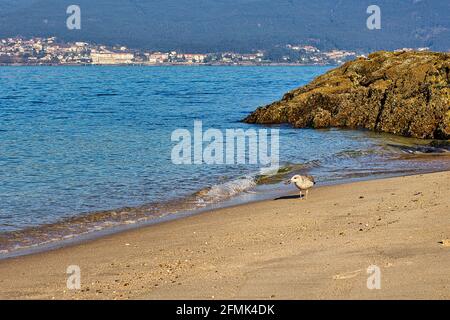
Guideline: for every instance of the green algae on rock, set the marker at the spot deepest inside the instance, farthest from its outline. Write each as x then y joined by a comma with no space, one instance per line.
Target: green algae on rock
404,93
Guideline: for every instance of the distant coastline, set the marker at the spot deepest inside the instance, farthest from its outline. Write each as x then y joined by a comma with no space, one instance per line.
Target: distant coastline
170,65
18,51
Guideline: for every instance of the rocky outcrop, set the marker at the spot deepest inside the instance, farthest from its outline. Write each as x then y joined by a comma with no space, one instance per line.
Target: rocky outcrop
404,93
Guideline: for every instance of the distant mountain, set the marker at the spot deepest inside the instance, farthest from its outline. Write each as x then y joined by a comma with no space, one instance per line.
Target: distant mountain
240,25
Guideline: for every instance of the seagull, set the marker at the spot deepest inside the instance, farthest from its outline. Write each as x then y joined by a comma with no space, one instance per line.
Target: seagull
302,183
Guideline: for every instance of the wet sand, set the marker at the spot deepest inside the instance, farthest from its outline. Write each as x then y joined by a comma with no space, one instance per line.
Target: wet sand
286,248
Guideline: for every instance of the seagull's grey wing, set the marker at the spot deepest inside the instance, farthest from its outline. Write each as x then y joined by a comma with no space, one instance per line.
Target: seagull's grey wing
311,178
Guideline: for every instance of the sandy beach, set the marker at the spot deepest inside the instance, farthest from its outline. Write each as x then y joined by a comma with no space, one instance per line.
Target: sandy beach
285,248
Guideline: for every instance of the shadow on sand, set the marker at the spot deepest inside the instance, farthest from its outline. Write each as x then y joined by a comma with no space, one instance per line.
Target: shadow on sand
294,196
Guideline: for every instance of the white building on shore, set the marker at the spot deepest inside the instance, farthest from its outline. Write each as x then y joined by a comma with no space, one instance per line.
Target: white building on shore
112,58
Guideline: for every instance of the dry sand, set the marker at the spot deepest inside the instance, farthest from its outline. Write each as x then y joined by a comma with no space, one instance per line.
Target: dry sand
279,249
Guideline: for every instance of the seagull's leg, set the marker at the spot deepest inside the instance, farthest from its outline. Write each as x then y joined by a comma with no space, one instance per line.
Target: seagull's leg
306,197
301,195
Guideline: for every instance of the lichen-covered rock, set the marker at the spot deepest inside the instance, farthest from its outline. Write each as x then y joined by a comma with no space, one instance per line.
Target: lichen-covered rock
404,93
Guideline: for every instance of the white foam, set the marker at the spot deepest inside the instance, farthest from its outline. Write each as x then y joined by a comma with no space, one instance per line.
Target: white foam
228,189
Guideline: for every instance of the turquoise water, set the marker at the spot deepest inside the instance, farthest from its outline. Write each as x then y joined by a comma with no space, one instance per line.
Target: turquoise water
79,144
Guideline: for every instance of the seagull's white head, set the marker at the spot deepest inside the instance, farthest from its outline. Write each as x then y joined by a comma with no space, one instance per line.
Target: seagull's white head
297,178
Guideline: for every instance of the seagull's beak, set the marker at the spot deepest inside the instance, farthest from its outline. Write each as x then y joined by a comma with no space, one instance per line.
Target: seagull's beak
287,182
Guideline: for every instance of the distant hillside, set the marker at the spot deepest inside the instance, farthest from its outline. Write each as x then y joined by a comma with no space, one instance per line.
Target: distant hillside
241,25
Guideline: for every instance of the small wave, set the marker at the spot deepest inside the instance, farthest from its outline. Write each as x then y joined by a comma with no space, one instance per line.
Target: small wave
432,148
11,97
37,102
225,191
106,94
357,153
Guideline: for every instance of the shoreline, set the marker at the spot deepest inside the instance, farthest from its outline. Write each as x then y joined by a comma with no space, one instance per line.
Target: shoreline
231,252
237,200
61,241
